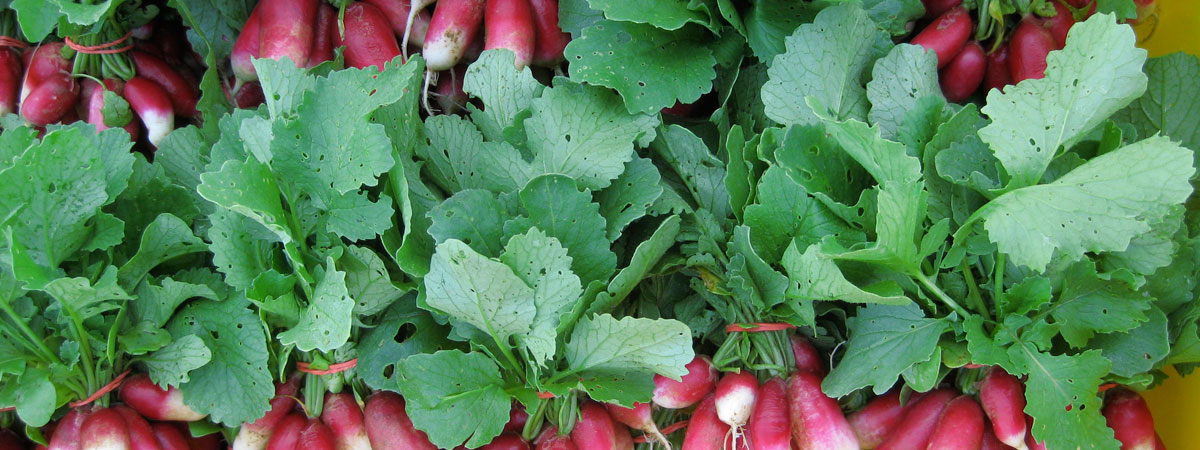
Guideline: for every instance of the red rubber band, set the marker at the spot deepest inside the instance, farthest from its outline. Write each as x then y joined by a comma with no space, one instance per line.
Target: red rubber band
333,368
973,366
665,431
757,327
116,382
1107,386
102,49
6,41
545,395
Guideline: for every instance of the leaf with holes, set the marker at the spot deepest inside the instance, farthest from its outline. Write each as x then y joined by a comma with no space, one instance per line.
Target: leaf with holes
325,323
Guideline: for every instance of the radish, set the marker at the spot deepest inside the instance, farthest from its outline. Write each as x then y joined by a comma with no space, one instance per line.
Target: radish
420,29
736,394
997,75
182,94
316,436
155,403
817,420
51,100
551,40
396,12
768,425
946,35
1060,24
1030,442
142,32
517,417
389,427
624,438
1003,399
42,63
286,29
934,8
806,356
1090,4
451,30
141,435
286,435
104,430
1145,8
211,441
962,76
691,388
450,94
10,80
1127,414
325,36
639,418
705,431
551,440
369,40
254,435
508,24
1031,42
250,95
66,432
245,49
169,437
344,418
960,427
152,105
595,429
10,441
875,421
507,441
990,442
920,416
93,104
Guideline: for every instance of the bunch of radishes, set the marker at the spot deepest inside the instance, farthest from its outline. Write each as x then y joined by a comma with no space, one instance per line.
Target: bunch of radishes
963,63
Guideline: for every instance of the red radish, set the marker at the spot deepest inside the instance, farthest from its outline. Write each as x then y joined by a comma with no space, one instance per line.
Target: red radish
1158,443
104,430
51,100
10,441
451,30
962,76
1145,8
325,36
1003,399
551,440
286,29
152,105
920,416
946,35
639,418
551,40
41,63
141,435
93,104
182,94
624,439
817,420
154,402
1060,23
595,429
768,425
705,431
420,28
990,442
245,48
250,95
1030,44
691,388
509,24
10,80
1127,414
685,110
254,435
316,436
66,431
389,427
507,441
211,441
875,421
997,76
143,31
396,12
960,426
806,356
450,94
516,418
1030,442
1090,4
286,435
736,394
169,437
934,8
345,419
369,40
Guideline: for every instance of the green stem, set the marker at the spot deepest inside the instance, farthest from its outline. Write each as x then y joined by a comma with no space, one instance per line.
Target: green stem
85,351
941,295
38,344
998,294
973,287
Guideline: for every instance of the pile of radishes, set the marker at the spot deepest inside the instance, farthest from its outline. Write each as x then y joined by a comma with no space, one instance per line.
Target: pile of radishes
965,64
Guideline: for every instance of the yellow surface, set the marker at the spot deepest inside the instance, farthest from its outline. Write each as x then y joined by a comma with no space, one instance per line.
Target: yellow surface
1176,403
